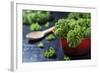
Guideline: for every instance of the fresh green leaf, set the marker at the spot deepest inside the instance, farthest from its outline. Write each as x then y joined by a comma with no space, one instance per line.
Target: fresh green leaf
35,27
74,28
50,52
47,25
66,58
50,37
40,45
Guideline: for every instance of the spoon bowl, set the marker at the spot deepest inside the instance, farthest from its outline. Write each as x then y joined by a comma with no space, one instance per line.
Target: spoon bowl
35,35
39,34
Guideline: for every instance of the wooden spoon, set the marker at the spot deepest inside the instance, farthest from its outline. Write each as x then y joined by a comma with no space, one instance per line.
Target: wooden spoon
39,34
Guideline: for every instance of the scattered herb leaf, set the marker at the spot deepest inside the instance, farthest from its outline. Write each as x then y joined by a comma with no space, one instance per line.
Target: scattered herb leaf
35,27
50,52
66,58
40,45
47,25
50,37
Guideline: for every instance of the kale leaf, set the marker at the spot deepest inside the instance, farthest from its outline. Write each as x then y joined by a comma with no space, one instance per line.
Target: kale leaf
74,28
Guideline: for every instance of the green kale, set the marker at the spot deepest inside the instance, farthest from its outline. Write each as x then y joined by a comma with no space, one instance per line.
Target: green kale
77,15
87,32
35,27
73,38
40,16
31,16
47,25
50,52
50,37
61,27
74,15
26,17
85,15
66,58
40,45
74,28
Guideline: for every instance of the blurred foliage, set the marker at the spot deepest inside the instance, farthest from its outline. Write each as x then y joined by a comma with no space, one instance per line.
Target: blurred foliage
31,16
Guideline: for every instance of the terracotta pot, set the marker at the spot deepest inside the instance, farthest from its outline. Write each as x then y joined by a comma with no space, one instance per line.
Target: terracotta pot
83,48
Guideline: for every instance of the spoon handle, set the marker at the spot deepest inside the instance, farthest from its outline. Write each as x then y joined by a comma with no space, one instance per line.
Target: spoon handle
49,30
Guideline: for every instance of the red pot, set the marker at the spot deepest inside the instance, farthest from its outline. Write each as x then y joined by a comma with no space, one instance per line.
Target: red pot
83,48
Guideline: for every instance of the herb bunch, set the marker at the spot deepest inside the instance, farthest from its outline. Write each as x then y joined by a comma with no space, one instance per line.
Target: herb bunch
74,28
